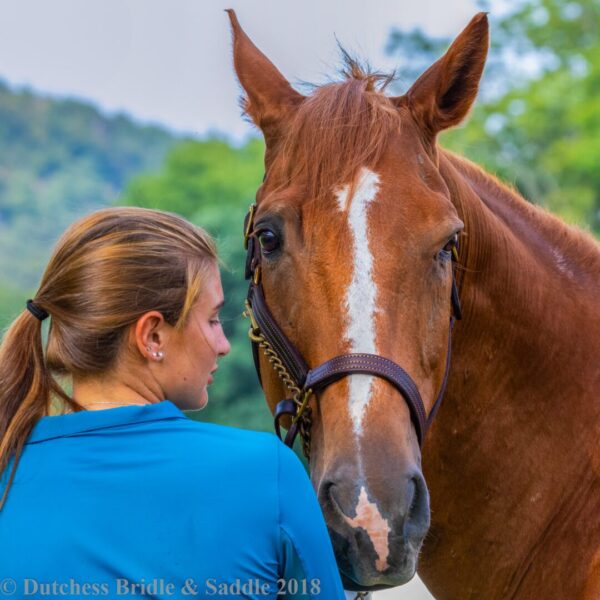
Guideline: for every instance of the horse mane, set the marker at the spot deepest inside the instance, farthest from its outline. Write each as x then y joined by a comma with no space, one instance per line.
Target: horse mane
569,247
341,127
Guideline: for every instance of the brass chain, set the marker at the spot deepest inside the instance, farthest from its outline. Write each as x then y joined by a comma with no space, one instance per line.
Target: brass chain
300,397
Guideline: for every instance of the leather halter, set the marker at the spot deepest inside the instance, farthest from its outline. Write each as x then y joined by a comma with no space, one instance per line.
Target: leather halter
303,381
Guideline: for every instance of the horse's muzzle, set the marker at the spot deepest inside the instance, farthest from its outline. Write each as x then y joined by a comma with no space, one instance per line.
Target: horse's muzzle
376,545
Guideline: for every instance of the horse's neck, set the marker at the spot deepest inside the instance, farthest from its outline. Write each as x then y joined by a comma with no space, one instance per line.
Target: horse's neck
514,439
530,284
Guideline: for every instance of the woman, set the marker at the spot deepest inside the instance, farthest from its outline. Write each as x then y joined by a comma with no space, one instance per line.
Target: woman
123,494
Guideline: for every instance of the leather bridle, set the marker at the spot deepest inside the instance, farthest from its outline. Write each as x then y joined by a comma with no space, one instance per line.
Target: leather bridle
303,381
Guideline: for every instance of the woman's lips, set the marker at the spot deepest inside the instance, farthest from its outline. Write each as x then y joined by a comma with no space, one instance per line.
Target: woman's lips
210,376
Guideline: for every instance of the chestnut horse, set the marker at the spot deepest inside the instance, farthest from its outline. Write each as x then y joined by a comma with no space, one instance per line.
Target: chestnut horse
357,217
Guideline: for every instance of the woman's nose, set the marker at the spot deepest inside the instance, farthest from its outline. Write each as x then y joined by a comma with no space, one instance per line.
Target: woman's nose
224,346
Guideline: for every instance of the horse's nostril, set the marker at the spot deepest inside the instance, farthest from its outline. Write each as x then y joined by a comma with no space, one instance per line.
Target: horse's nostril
416,521
412,496
326,495
333,501
341,501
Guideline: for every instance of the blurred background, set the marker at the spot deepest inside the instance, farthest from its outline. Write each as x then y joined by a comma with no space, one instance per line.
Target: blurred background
132,102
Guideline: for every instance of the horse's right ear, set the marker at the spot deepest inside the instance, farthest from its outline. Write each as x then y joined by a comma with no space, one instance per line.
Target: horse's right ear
443,95
269,96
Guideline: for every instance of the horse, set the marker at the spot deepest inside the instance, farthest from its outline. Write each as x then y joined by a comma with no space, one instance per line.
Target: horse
356,224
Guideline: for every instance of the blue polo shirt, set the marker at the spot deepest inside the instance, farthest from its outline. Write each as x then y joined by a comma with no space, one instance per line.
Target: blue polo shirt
141,501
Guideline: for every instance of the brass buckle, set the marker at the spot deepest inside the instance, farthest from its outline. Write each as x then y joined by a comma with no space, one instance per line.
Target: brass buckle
254,331
256,275
250,314
305,398
249,225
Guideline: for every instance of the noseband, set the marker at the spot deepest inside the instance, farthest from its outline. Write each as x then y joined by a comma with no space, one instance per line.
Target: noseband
303,381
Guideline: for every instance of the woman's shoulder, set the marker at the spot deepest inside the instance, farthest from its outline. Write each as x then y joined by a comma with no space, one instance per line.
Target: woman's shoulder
227,435
256,467
237,450
228,444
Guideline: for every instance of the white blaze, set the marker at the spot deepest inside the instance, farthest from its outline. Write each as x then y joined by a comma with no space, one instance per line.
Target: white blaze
369,518
361,294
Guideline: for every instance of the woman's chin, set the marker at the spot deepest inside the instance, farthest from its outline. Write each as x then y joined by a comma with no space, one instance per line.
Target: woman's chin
195,403
203,399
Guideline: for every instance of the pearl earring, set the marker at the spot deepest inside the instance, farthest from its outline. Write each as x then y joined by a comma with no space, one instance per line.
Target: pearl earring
157,355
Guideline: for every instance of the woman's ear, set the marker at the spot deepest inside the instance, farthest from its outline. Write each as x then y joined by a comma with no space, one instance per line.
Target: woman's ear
150,335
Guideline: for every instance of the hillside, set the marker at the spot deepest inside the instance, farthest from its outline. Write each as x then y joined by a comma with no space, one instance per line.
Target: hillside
60,159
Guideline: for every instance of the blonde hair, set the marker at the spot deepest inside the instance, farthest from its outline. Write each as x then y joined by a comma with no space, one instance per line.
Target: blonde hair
106,271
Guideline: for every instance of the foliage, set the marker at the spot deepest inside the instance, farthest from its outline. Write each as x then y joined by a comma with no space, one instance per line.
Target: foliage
200,176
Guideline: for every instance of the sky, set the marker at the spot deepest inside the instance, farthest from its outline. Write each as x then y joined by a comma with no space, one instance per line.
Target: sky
169,61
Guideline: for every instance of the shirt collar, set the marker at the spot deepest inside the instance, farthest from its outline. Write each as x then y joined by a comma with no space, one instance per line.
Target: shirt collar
88,420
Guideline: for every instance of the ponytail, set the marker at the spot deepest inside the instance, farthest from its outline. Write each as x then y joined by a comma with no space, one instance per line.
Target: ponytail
26,386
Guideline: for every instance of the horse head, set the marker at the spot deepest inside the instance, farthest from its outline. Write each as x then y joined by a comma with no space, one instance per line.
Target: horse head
355,231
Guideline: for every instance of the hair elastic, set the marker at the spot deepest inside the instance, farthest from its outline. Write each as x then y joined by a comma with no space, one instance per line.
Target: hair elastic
36,311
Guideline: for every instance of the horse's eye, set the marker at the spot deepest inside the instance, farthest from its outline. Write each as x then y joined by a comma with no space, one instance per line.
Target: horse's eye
450,245
268,240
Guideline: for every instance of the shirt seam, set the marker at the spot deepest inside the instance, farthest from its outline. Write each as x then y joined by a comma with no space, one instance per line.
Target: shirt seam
279,525
306,571
99,427
283,528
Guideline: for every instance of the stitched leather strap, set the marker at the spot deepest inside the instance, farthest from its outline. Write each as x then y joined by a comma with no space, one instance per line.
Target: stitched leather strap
440,395
371,364
286,407
287,352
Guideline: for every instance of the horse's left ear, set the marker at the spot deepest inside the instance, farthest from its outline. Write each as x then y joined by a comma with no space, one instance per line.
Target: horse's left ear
270,98
443,95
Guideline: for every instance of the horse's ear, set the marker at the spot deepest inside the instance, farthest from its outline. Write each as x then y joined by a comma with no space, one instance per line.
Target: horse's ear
269,96
443,95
